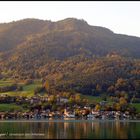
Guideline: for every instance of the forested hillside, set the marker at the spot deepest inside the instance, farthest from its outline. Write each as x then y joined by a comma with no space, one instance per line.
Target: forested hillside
72,55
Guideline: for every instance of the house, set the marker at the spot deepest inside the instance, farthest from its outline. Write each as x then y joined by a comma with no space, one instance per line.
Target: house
69,114
62,100
90,115
87,107
31,101
103,103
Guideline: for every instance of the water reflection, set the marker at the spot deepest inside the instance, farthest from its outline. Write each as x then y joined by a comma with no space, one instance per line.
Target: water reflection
72,129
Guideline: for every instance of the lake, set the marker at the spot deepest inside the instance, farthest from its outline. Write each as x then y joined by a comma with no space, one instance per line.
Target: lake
70,129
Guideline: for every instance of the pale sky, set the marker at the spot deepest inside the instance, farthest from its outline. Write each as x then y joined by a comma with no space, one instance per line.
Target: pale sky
121,17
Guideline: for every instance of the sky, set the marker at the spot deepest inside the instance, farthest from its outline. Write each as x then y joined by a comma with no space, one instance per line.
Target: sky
119,16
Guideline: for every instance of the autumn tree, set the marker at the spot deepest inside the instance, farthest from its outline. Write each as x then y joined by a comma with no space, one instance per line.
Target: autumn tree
47,86
98,88
77,98
111,89
97,107
121,84
122,101
117,106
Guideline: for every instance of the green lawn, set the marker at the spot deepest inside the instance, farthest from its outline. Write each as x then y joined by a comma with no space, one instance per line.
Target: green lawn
28,90
91,99
137,106
5,82
96,99
19,93
10,107
31,87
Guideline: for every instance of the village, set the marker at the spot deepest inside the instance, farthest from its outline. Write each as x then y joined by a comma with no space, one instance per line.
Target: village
56,107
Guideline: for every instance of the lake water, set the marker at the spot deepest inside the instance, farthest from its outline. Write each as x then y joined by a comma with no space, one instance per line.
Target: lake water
70,129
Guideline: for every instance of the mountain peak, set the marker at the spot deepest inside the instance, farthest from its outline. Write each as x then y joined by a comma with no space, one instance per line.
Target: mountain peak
73,20
72,24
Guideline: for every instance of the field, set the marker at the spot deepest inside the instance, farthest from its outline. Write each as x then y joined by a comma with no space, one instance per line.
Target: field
28,90
91,99
137,106
10,107
5,82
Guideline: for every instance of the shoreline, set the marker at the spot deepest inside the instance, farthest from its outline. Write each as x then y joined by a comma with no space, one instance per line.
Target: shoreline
69,120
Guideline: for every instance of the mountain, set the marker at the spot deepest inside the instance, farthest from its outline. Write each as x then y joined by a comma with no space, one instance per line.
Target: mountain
70,32
69,52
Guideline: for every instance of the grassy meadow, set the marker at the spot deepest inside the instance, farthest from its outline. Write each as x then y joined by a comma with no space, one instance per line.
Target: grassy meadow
10,107
28,90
